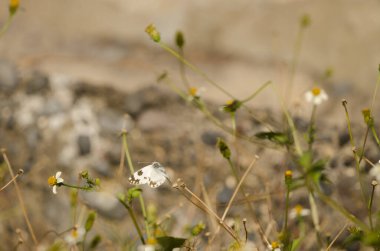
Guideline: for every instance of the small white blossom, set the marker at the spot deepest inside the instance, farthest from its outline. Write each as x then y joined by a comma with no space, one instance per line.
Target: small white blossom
316,96
274,246
375,171
54,181
147,247
299,211
195,93
75,235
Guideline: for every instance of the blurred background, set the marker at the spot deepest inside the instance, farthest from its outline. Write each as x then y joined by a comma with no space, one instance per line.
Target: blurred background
240,44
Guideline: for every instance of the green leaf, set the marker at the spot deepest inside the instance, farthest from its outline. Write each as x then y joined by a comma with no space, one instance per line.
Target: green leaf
223,148
90,221
276,137
168,242
95,241
232,106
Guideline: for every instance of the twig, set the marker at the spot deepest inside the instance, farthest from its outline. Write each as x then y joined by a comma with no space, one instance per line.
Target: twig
19,173
336,237
18,192
181,186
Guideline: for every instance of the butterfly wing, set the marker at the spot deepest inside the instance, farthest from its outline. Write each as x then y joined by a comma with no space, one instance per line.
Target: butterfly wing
158,175
141,176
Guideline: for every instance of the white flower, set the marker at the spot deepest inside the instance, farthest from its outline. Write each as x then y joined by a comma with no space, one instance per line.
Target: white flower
274,246
195,93
147,247
55,181
316,96
375,171
299,211
75,235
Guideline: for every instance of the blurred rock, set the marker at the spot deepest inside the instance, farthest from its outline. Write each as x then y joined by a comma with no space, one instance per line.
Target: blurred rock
106,203
37,83
8,76
211,137
155,120
84,145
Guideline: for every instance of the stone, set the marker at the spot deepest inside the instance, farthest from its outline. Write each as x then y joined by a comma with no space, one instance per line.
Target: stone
9,79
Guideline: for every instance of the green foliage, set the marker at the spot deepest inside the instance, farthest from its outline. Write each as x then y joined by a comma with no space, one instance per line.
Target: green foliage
223,149
232,106
90,221
168,243
279,138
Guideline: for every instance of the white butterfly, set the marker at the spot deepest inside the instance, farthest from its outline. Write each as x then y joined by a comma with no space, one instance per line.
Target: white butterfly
154,175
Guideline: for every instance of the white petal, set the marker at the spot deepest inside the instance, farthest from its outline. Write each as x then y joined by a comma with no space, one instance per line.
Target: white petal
58,174
309,96
54,189
59,180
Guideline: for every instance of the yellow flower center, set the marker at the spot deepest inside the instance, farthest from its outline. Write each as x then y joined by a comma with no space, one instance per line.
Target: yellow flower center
74,233
230,102
14,3
193,91
316,91
52,180
151,241
275,244
298,209
288,173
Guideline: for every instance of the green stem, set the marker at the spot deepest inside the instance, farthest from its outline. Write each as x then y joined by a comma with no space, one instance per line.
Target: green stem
287,199
133,216
6,25
342,210
233,124
375,135
182,70
312,128
265,85
141,199
76,187
374,184
357,163
296,53
194,68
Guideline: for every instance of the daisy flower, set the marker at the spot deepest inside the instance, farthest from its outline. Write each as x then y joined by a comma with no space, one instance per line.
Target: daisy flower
75,235
375,171
274,246
299,211
316,96
195,93
55,181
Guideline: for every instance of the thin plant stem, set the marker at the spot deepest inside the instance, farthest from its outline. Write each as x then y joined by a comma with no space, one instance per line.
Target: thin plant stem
376,89
357,164
182,69
19,196
375,135
336,237
233,124
253,95
19,173
134,220
287,200
374,184
194,68
238,186
296,53
235,193
364,144
333,204
181,186
6,25
76,187
312,128
141,199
